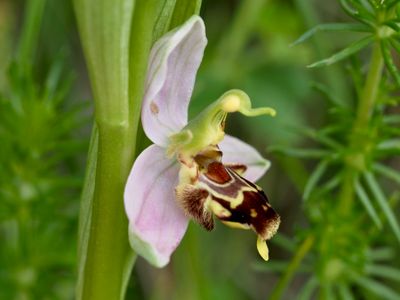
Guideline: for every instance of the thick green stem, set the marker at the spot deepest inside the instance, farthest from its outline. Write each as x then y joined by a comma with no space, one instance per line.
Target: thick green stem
108,244
291,270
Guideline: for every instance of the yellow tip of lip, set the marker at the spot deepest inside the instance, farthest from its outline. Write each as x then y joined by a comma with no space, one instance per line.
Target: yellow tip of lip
262,249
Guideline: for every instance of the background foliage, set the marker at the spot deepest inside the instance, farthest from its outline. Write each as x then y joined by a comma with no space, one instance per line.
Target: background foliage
334,177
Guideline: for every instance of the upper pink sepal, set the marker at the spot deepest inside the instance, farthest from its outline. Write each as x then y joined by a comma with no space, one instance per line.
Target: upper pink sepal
235,151
156,223
173,64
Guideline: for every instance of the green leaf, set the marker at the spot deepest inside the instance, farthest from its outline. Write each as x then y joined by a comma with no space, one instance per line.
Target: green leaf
85,212
184,9
348,8
359,10
389,145
387,172
332,183
309,288
391,119
381,254
345,292
320,137
382,291
395,44
30,34
331,27
315,176
350,50
105,30
173,14
392,24
390,65
146,26
382,201
163,22
362,195
391,3
387,272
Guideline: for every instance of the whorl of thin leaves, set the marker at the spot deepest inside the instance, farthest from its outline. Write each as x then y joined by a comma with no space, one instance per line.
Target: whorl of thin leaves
351,193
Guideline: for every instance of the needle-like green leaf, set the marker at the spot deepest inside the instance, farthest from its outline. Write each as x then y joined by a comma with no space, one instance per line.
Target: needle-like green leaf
391,119
382,271
345,292
387,172
382,291
383,203
315,176
390,65
381,254
308,289
362,195
346,52
331,27
389,145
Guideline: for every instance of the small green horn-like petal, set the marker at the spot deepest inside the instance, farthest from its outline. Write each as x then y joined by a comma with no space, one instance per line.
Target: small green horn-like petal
241,101
207,128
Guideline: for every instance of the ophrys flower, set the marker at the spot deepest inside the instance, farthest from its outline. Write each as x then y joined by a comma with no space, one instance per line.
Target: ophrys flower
193,170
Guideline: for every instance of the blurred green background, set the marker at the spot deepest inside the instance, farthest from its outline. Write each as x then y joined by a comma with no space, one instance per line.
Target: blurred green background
45,121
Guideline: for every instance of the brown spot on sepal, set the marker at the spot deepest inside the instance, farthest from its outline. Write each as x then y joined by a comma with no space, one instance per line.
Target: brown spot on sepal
192,199
154,108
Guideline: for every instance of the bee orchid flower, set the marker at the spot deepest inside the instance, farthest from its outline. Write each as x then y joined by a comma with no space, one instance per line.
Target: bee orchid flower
193,170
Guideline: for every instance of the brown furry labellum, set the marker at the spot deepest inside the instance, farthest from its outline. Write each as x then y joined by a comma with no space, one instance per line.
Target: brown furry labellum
215,188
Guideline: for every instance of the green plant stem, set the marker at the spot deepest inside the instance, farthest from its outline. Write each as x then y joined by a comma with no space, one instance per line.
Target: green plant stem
370,91
108,243
365,107
291,269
